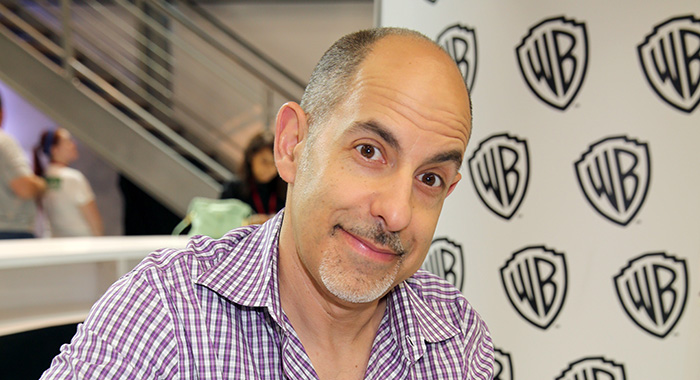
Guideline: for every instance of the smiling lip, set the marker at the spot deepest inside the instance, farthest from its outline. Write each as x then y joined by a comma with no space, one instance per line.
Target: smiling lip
365,248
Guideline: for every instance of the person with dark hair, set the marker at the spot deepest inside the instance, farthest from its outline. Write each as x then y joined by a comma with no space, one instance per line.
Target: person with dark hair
259,185
69,202
19,189
331,287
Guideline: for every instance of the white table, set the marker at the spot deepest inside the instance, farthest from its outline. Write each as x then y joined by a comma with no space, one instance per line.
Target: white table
50,282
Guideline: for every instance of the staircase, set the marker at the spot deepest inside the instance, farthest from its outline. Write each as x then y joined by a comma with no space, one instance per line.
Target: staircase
162,90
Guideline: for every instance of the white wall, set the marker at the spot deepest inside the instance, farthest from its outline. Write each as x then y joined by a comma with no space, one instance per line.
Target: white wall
295,35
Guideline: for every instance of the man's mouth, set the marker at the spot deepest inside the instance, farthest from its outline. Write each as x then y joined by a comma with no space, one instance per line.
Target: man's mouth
375,239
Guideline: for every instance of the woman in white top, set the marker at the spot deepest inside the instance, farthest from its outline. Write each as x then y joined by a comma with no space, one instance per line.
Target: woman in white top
69,202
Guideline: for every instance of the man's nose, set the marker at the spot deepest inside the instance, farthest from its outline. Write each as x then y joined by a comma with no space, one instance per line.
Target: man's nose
392,202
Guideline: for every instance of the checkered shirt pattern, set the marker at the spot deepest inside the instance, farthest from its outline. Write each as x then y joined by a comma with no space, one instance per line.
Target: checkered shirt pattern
213,311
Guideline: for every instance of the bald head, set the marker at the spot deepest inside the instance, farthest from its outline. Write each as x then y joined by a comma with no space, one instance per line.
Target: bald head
332,79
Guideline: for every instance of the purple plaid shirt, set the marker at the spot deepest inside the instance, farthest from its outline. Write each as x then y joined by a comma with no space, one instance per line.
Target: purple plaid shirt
212,311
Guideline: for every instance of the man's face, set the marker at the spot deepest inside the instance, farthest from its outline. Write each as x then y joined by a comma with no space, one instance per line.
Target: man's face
369,189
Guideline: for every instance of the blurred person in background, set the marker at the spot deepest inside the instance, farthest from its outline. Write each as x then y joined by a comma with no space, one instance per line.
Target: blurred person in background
69,202
19,189
259,185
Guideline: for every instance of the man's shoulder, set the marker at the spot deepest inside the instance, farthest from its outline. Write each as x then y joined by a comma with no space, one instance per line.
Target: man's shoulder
199,255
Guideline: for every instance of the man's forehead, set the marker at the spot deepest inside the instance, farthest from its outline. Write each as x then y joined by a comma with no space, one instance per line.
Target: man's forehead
410,50
409,59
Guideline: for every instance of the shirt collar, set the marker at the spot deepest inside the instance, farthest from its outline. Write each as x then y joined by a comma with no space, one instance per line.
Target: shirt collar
414,322
247,275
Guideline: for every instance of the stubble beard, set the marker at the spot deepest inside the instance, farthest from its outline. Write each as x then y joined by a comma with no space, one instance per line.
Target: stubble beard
354,287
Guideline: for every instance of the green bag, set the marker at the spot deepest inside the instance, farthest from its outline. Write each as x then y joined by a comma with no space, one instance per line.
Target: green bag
214,217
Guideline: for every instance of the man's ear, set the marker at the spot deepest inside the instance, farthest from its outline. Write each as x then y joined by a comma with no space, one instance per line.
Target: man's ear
291,129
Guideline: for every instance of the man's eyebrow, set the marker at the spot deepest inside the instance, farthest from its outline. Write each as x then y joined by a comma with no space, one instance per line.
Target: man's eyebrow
454,156
375,127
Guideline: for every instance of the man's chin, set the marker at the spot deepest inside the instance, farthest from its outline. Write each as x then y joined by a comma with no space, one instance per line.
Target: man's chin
340,284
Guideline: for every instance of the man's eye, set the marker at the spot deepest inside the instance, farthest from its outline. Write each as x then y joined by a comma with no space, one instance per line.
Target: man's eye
369,152
430,179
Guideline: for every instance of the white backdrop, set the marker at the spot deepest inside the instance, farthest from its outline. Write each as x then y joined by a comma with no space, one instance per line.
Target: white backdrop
575,229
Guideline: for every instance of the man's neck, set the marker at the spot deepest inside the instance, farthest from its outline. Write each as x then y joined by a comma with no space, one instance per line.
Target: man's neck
319,311
334,333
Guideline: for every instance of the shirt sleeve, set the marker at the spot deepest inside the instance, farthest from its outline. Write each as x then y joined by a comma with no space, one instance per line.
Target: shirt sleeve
127,335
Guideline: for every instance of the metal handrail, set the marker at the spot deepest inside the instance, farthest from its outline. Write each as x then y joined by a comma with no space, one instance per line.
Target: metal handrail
121,60
67,55
140,38
117,31
33,33
213,66
170,11
245,44
214,166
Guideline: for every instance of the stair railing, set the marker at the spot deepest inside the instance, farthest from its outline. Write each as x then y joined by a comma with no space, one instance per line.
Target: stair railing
153,61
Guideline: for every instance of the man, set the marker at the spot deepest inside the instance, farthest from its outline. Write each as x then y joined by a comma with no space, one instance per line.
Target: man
330,287
19,189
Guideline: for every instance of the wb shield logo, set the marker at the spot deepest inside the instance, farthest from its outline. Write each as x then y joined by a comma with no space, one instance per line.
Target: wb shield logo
535,281
614,175
502,365
446,260
670,58
460,43
653,289
594,368
500,170
553,59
